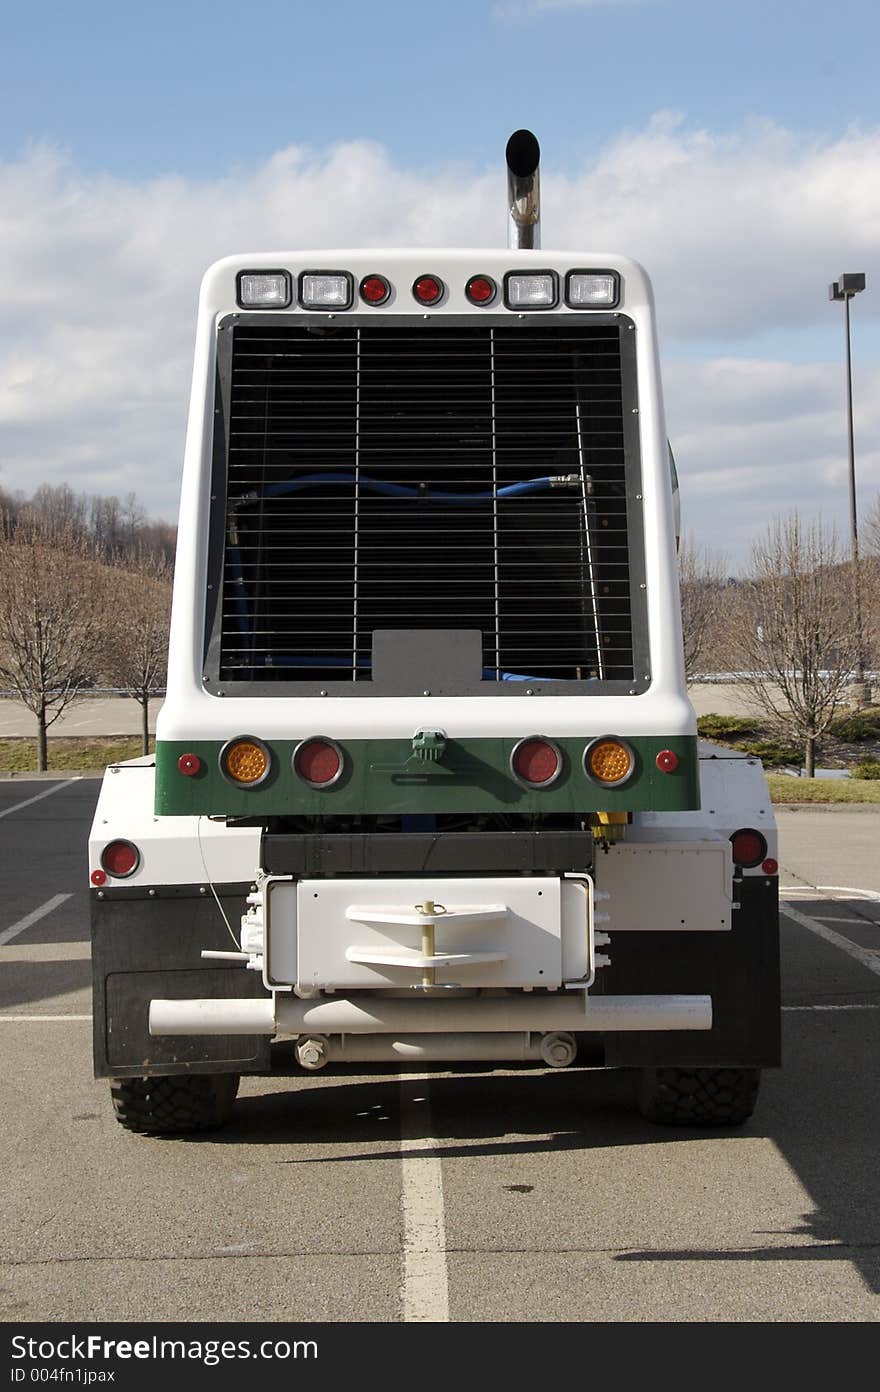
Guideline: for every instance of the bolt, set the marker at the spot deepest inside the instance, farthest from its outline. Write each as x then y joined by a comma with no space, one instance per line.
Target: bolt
312,1053
202,889
152,893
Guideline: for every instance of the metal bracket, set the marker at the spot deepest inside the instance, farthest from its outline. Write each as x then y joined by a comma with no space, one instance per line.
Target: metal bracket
429,746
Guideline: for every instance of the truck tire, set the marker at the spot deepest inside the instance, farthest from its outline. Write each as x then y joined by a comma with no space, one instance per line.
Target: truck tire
184,1102
698,1096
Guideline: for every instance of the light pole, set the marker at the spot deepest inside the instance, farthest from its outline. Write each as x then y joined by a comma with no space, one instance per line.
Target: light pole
847,285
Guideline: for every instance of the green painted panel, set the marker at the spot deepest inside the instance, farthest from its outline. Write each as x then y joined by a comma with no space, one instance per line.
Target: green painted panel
385,776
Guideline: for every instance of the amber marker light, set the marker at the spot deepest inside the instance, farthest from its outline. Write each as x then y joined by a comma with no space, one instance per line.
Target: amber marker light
245,761
609,762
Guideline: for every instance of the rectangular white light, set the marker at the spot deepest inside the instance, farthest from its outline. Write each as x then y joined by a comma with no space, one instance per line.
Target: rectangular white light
325,290
536,291
591,289
264,289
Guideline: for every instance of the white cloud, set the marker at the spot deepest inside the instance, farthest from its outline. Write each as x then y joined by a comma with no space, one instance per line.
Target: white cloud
754,439
741,234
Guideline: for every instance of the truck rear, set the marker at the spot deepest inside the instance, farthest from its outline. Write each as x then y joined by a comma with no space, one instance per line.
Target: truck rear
427,786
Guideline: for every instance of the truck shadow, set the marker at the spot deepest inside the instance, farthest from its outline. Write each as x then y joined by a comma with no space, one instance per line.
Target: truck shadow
820,1112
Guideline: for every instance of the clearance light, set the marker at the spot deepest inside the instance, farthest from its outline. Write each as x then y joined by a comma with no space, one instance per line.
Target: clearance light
428,289
481,290
770,866
120,859
748,847
536,291
318,762
374,289
591,289
189,765
245,761
99,877
264,289
536,762
609,761
325,290
667,761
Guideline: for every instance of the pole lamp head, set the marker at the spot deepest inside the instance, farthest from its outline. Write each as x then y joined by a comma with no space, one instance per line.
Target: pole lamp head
847,285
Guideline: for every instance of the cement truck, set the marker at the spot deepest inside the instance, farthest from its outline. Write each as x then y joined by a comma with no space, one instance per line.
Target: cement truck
427,786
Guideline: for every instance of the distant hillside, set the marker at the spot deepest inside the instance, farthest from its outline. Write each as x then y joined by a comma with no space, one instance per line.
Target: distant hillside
117,529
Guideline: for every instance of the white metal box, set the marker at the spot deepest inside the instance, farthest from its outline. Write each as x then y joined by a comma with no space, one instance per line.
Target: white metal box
519,931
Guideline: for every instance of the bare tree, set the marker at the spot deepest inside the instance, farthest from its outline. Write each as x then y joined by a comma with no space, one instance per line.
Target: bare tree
796,630
701,576
137,649
51,621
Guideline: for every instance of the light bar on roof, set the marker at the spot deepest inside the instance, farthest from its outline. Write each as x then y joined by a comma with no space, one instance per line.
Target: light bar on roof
264,289
530,290
592,289
325,289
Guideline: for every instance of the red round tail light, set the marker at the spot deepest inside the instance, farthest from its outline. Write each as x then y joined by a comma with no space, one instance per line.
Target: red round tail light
770,866
428,289
189,765
318,762
667,761
536,762
481,290
749,848
375,289
120,859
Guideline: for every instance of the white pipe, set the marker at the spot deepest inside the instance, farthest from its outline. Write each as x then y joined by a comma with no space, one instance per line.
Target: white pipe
212,1017
539,1014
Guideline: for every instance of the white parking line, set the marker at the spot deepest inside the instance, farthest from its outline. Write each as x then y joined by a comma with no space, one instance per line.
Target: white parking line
425,1283
870,1006
860,954
847,892
47,792
34,1019
827,918
30,919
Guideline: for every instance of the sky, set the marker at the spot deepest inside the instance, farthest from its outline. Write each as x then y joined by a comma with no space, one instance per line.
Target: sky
731,146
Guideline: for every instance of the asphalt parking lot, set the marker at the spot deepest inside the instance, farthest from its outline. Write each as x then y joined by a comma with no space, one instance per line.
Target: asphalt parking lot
486,1194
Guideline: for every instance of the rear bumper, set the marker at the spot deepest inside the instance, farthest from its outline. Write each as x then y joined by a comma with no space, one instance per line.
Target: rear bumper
648,1008
574,1011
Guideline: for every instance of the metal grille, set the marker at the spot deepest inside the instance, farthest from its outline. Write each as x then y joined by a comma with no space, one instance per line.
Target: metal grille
426,476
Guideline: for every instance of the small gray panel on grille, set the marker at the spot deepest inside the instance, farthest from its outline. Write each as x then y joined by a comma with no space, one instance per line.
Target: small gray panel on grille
444,659
426,476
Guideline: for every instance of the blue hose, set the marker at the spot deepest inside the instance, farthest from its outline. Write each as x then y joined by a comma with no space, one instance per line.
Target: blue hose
390,490
396,490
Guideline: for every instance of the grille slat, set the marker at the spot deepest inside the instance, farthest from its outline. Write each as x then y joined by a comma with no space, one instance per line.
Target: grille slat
327,426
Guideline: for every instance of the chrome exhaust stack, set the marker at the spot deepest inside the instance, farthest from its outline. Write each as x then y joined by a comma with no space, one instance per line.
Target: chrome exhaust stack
523,155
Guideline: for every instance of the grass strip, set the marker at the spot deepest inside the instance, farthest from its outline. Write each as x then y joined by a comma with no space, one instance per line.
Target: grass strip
68,753
784,789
